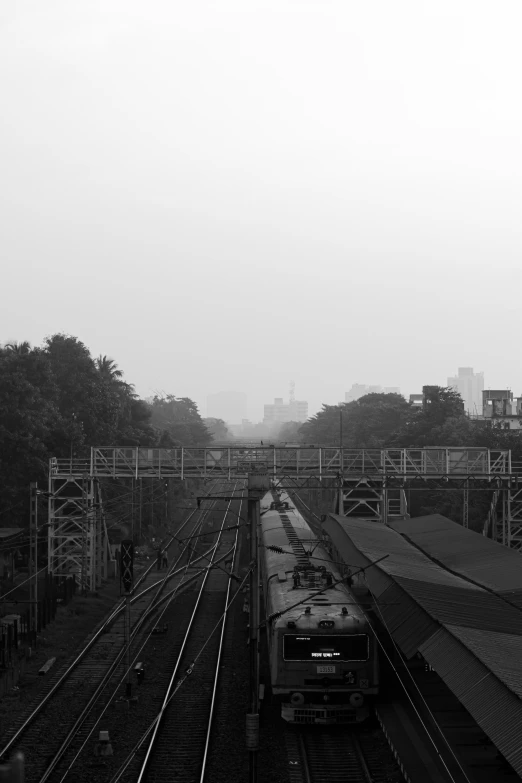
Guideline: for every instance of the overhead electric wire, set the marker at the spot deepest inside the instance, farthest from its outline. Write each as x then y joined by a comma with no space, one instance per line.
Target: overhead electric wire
171,596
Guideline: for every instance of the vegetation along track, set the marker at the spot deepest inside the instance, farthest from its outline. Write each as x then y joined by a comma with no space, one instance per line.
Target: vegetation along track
175,742
59,715
318,754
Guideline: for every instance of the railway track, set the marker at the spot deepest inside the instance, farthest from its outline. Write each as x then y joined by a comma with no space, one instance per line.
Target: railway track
175,746
63,712
340,755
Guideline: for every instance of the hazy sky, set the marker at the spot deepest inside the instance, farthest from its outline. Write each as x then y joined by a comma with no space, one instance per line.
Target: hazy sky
231,195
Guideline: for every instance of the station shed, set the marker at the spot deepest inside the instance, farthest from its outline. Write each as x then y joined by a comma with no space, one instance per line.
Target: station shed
469,634
466,553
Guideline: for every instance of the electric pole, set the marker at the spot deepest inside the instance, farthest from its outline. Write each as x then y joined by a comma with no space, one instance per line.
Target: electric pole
33,564
141,488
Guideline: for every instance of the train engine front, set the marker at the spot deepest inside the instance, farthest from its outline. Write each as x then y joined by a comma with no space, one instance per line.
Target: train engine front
323,658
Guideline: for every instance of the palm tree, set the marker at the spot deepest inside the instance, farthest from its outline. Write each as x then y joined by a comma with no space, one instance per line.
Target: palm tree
108,368
21,349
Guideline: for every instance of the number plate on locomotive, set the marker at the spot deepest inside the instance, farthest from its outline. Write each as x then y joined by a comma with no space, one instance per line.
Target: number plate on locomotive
326,670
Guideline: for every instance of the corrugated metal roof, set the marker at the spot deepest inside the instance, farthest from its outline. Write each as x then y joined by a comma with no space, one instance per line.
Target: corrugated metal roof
497,710
465,552
457,605
500,652
405,619
470,636
448,598
375,540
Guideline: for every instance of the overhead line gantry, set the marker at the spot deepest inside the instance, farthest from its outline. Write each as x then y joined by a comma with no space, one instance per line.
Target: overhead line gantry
370,483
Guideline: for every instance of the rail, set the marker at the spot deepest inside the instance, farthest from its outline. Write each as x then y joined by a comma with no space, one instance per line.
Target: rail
185,728
62,679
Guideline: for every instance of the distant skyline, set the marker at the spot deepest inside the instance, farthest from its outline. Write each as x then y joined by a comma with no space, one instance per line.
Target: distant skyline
255,414
236,194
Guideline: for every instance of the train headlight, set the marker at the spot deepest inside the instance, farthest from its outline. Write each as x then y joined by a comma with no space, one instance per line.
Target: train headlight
356,699
296,699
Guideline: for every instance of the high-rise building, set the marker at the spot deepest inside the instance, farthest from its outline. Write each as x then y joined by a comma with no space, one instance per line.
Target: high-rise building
230,406
470,386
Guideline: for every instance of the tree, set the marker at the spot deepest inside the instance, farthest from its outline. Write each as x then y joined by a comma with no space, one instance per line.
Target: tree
290,432
29,416
179,417
324,428
218,429
423,427
108,368
22,349
373,421
87,402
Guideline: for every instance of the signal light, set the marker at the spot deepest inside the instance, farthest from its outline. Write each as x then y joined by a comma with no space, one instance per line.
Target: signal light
127,564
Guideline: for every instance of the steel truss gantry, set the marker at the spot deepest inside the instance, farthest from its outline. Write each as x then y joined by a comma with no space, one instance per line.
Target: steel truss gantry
371,483
77,538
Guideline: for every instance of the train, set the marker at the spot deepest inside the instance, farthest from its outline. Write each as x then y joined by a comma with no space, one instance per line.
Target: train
322,652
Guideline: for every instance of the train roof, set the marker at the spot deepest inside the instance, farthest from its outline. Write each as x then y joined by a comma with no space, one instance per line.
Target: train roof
334,604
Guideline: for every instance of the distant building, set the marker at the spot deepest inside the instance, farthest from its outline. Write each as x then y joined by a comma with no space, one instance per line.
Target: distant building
230,406
417,400
501,410
281,412
358,390
470,386
248,429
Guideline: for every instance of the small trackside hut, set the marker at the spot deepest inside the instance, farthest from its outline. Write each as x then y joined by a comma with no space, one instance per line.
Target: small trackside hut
322,654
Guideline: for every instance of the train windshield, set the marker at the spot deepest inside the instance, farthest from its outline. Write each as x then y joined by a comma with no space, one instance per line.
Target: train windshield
352,647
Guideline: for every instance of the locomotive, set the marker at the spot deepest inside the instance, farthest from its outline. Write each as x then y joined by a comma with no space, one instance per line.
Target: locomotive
322,653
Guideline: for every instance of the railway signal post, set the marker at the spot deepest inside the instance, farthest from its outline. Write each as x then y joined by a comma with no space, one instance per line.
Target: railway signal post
258,485
127,579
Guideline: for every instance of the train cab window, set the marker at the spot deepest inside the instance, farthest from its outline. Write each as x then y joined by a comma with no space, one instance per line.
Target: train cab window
350,647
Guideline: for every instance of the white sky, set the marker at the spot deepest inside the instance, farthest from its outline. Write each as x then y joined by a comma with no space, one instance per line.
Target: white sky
231,195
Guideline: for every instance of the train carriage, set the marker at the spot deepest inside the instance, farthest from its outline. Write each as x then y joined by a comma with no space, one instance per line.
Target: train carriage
322,654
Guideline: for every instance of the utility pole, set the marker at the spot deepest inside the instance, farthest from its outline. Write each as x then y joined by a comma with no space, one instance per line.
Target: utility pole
258,484
152,505
465,507
33,564
85,522
132,508
141,488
